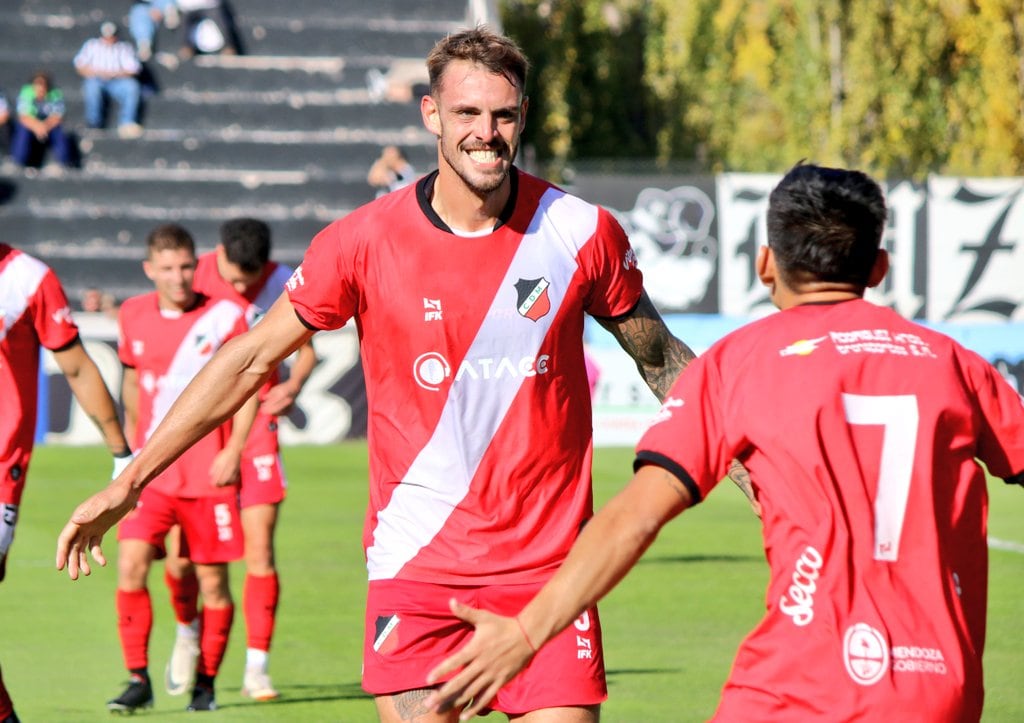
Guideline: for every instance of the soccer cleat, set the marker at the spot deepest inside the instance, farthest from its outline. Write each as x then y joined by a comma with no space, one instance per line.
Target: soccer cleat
202,698
256,685
138,694
180,673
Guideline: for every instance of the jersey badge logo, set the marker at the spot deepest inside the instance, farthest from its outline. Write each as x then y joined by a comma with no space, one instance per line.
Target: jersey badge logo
533,302
865,654
431,309
386,639
629,260
204,345
803,347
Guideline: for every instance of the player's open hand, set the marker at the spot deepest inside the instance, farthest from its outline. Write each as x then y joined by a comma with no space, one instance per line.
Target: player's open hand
492,657
84,532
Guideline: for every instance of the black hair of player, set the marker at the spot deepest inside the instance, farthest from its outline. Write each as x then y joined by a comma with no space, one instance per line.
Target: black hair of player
246,243
825,224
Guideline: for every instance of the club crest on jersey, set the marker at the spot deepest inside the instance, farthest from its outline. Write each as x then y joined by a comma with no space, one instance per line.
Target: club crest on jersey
204,345
533,301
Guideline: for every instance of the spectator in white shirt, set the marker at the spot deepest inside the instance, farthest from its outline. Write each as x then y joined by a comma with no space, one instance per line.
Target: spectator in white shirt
110,68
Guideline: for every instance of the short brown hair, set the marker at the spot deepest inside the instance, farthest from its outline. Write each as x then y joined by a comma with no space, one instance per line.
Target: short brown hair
169,236
479,45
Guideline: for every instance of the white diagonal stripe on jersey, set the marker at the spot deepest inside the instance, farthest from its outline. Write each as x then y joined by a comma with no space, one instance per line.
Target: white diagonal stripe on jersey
215,323
440,476
19,281
272,288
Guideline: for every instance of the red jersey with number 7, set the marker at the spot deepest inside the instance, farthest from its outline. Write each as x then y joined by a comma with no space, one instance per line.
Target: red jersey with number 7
860,430
167,349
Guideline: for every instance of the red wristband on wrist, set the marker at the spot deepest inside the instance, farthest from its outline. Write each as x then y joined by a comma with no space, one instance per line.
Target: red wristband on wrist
525,636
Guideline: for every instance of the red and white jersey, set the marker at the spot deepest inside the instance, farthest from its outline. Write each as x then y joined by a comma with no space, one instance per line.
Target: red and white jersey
34,312
260,295
860,430
167,350
479,406
257,300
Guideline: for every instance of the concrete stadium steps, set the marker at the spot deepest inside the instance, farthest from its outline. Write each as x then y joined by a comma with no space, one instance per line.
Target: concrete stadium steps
285,132
196,194
342,160
252,114
410,10
126,234
58,44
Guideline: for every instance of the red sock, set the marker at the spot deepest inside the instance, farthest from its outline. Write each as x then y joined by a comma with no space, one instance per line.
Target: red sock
213,638
184,596
134,623
6,705
259,599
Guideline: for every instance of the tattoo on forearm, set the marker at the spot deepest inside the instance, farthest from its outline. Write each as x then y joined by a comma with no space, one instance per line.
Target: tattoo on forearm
659,356
409,703
741,477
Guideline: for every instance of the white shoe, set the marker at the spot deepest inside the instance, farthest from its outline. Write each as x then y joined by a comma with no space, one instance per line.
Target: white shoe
180,673
129,131
257,685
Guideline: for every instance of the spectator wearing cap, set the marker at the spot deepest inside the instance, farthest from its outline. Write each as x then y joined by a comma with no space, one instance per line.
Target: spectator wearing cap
110,70
40,111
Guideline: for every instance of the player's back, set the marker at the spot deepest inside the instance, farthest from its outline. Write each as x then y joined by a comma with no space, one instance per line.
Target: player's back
864,429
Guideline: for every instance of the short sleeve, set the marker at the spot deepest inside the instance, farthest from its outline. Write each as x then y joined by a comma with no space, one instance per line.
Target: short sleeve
1001,436
323,288
51,314
609,261
687,435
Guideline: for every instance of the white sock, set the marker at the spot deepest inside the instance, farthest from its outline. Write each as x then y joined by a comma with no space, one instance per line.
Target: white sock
190,630
257,659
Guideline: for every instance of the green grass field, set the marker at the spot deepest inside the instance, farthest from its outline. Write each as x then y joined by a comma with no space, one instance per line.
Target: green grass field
670,629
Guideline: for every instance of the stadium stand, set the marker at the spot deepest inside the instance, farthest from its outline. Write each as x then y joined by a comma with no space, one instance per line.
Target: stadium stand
285,131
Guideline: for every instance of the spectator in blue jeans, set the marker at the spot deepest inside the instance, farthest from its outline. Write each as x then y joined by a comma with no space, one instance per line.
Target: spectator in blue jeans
110,68
144,17
40,110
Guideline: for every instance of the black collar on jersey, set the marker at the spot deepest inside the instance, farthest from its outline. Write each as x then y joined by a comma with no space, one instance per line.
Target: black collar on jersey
425,190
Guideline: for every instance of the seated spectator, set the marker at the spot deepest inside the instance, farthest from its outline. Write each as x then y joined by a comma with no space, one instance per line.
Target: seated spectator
40,111
144,17
390,171
110,68
206,27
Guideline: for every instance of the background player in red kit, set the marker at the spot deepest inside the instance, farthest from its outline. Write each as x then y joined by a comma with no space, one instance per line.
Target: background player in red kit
469,290
166,336
873,505
34,313
240,269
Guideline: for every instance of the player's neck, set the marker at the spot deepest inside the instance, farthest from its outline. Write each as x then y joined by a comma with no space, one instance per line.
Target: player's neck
785,297
463,209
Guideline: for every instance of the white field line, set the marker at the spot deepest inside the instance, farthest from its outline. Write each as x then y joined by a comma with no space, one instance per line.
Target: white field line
996,544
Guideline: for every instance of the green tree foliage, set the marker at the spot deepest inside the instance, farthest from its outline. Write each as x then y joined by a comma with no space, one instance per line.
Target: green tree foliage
903,88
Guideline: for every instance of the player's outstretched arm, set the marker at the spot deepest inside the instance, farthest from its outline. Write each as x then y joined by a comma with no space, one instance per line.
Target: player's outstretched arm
233,375
91,392
281,396
659,356
610,544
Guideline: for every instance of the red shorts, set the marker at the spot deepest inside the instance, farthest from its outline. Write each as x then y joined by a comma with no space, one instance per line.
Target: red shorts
211,530
263,481
410,630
